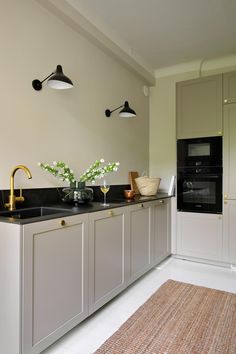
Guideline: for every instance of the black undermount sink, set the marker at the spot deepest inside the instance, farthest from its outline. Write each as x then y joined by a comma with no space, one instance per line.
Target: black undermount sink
32,212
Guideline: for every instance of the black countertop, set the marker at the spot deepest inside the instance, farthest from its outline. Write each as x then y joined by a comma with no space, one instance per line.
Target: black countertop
69,210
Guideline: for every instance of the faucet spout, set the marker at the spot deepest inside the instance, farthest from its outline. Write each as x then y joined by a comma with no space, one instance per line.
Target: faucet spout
11,205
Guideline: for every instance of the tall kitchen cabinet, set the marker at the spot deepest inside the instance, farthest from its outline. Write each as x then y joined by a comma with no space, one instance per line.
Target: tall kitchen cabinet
199,107
197,235
229,177
55,280
108,256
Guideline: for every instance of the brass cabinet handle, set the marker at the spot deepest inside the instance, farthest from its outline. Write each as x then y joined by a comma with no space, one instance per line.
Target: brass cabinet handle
111,213
225,100
161,201
225,199
62,223
141,205
219,133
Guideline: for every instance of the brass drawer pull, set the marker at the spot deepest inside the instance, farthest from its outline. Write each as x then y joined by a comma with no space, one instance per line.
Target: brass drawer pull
161,201
62,223
141,205
111,213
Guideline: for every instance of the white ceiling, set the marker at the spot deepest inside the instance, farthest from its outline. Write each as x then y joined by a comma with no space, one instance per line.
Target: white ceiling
163,33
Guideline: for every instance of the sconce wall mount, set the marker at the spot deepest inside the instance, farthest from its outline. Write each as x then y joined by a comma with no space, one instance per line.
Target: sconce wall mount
56,80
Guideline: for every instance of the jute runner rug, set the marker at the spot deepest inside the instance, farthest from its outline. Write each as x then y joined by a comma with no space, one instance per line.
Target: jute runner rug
179,319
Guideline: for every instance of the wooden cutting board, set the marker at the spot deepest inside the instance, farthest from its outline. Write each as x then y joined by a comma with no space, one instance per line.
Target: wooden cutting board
133,185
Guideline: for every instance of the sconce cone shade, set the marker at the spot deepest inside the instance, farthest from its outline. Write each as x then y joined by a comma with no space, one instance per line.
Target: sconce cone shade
59,81
126,111
56,80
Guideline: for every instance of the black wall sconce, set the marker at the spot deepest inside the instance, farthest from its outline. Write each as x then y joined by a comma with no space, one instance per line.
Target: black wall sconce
56,80
126,111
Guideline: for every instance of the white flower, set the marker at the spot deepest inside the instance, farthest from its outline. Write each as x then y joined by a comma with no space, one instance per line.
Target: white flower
115,169
102,160
54,163
117,164
39,163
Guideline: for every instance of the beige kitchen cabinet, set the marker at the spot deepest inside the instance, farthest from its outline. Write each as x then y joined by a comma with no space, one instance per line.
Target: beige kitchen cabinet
161,230
55,280
229,87
199,107
229,178
229,232
108,247
200,235
229,151
140,238
55,273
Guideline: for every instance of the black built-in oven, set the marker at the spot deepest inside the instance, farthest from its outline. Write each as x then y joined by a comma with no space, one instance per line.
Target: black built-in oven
199,175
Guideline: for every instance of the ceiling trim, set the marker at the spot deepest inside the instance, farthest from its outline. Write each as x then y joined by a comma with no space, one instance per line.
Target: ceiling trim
178,68
206,65
80,24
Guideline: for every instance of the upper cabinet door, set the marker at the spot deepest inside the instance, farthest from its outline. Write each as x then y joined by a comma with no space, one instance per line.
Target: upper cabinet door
199,107
230,87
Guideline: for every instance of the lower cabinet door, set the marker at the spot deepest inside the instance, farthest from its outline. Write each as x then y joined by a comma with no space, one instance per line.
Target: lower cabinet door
107,256
200,235
230,232
140,239
55,280
161,228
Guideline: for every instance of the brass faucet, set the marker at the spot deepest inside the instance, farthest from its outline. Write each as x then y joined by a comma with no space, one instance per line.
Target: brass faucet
11,205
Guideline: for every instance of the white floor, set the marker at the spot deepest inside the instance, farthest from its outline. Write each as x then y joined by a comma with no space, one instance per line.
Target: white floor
89,335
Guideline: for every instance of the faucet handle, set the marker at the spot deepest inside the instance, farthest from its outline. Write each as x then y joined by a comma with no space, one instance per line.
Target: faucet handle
20,198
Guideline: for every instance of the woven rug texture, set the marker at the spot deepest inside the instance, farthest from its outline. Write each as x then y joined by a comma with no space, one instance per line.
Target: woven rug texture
179,318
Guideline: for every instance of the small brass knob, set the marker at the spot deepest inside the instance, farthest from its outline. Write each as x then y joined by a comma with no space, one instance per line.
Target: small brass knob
225,196
141,205
225,100
219,133
62,222
111,213
161,201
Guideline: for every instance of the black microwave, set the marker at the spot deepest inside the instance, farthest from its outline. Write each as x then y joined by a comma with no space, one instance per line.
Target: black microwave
199,152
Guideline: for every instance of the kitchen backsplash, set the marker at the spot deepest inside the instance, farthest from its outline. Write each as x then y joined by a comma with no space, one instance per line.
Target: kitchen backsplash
44,196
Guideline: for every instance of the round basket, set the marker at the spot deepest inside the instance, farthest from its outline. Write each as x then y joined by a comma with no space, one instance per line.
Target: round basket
148,186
